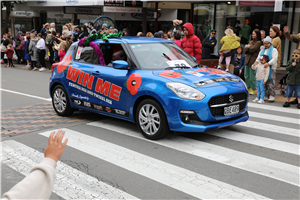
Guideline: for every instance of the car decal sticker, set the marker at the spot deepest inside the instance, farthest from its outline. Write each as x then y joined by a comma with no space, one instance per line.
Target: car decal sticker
170,74
177,63
85,82
62,65
195,73
87,104
133,83
211,70
210,81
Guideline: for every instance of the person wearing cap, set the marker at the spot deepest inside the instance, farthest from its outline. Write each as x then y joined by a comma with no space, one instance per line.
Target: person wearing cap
76,33
104,27
44,29
209,44
272,52
125,32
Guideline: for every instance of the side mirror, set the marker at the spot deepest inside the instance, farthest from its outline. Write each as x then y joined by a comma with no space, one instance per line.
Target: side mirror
120,64
195,59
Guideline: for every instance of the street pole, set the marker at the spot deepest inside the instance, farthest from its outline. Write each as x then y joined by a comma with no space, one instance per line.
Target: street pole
155,15
277,13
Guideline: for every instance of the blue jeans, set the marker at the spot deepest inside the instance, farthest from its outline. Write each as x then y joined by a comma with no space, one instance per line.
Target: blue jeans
260,89
291,88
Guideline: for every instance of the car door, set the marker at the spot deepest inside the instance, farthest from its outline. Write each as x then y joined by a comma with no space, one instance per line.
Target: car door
79,78
110,84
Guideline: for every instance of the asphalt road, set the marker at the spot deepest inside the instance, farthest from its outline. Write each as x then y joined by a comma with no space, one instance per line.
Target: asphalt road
108,158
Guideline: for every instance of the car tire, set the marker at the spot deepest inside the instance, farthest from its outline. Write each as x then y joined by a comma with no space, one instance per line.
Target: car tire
151,120
60,101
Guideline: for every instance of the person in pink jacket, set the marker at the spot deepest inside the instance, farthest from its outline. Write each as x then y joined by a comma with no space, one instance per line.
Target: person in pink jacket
191,43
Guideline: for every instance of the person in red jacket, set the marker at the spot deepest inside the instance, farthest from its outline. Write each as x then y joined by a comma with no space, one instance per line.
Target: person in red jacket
9,53
191,43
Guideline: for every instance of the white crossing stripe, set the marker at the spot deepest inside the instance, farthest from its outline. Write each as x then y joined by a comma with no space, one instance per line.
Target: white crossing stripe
274,108
270,127
69,184
178,178
274,117
256,140
259,165
27,95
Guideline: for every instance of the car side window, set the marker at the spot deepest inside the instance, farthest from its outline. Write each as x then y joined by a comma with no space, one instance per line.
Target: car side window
86,55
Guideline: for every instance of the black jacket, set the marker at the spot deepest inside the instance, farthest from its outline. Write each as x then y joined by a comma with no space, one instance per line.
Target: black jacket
83,34
5,42
207,46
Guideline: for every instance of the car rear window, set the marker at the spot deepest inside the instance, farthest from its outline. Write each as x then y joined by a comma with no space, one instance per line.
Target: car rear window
86,55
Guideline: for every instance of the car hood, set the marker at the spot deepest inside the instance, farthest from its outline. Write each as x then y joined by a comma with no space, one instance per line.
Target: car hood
199,77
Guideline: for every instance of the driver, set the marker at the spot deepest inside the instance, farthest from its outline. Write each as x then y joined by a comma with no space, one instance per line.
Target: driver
118,54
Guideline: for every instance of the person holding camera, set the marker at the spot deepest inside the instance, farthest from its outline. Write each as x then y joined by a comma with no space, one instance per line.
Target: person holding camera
51,45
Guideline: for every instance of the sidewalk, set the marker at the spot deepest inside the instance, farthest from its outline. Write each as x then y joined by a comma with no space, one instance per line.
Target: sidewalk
279,74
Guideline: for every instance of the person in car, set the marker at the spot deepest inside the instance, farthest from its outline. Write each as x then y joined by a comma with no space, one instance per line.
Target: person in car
118,54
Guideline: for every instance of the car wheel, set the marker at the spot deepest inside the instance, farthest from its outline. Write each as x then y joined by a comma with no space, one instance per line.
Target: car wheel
151,120
60,101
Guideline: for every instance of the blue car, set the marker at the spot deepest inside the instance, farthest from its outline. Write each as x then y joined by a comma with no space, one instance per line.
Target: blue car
149,81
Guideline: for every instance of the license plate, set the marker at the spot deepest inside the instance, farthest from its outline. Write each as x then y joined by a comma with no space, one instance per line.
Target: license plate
231,110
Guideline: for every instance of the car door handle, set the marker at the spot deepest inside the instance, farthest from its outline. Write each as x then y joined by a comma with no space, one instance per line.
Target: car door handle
95,72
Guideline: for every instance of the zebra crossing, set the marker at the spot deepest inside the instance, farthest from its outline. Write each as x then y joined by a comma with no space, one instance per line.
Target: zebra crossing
185,166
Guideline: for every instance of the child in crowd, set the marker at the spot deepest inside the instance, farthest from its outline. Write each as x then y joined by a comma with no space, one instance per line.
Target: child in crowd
228,42
62,50
9,53
262,75
293,80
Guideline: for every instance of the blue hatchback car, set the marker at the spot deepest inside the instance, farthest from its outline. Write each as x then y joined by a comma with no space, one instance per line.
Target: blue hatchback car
151,82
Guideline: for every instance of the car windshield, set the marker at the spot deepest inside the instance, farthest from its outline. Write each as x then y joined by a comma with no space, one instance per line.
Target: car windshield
160,56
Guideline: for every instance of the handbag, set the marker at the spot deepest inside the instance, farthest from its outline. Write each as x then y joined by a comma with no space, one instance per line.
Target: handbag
2,47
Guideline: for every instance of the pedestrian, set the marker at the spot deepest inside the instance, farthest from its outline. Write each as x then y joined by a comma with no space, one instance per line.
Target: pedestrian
125,32
239,64
4,43
20,50
93,30
41,49
51,44
44,29
293,80
176,26
77,33
271,65
261,76
191,43
115,30
39,183
275,34
229,42
62,50
292,38
66,32
84,32
208,45
33,51
111,30
149,34
165,36
26,56
252,50
9,53
262,35
177,37
52,27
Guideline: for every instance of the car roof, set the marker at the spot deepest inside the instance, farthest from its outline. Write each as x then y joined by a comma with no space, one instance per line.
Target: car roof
133,40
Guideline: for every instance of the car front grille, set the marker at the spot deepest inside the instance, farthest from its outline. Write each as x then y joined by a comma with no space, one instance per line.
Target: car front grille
217,104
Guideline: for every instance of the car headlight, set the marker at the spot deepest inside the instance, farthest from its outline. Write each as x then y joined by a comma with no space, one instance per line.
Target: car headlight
185,92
